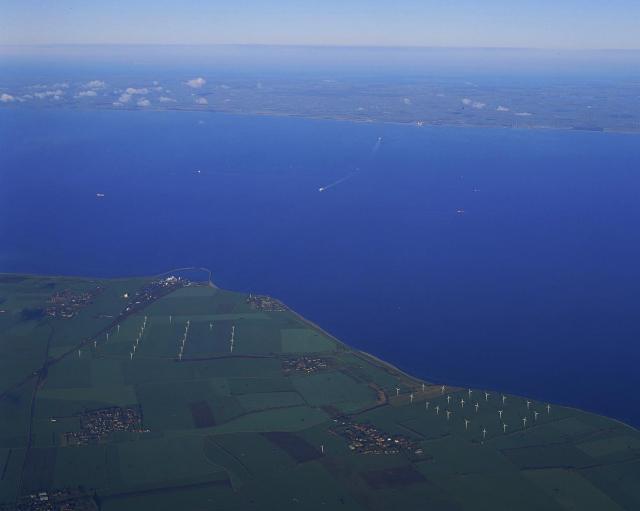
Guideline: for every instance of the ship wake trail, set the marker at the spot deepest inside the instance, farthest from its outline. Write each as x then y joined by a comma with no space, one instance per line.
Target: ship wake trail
374,150
376,146
336,183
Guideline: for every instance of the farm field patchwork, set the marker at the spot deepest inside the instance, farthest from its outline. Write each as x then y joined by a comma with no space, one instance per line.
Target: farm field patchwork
163,393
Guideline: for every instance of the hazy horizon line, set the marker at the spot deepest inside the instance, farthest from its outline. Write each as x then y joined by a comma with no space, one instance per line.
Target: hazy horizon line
317,46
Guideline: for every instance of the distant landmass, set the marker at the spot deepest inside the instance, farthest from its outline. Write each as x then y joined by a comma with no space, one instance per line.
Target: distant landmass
170,393
421,101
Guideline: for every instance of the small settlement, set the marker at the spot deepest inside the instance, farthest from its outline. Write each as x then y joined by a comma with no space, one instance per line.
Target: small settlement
304,364
365,438
97,425
265,303
66,304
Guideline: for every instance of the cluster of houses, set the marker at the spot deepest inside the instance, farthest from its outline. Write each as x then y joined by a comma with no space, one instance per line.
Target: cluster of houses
265,303
97,425
365,438
152,292
66,304
304,364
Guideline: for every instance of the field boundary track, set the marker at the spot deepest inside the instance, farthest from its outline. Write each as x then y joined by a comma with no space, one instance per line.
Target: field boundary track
167,489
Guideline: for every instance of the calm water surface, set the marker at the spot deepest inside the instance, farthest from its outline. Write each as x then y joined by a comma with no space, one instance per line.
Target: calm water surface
495,258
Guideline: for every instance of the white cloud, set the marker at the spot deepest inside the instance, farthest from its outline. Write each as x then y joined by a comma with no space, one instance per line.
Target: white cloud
165,99
7,98
144,102
478,105
523,114
124,98
201,101
196,83
86,94
502,108
117,103
406,101
56,94
142,91
94,84
61,85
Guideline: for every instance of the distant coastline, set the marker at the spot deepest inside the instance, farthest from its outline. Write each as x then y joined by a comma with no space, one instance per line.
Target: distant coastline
337,118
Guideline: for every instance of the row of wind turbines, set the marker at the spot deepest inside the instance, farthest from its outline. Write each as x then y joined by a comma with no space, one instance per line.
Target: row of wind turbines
108,333
183,340
134,347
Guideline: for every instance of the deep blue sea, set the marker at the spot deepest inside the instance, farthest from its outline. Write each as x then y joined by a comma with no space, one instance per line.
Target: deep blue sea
503,259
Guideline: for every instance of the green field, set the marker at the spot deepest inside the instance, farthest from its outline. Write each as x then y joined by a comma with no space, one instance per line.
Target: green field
224,425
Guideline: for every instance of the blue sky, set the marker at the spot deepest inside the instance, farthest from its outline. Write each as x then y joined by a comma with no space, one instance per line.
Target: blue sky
566,24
